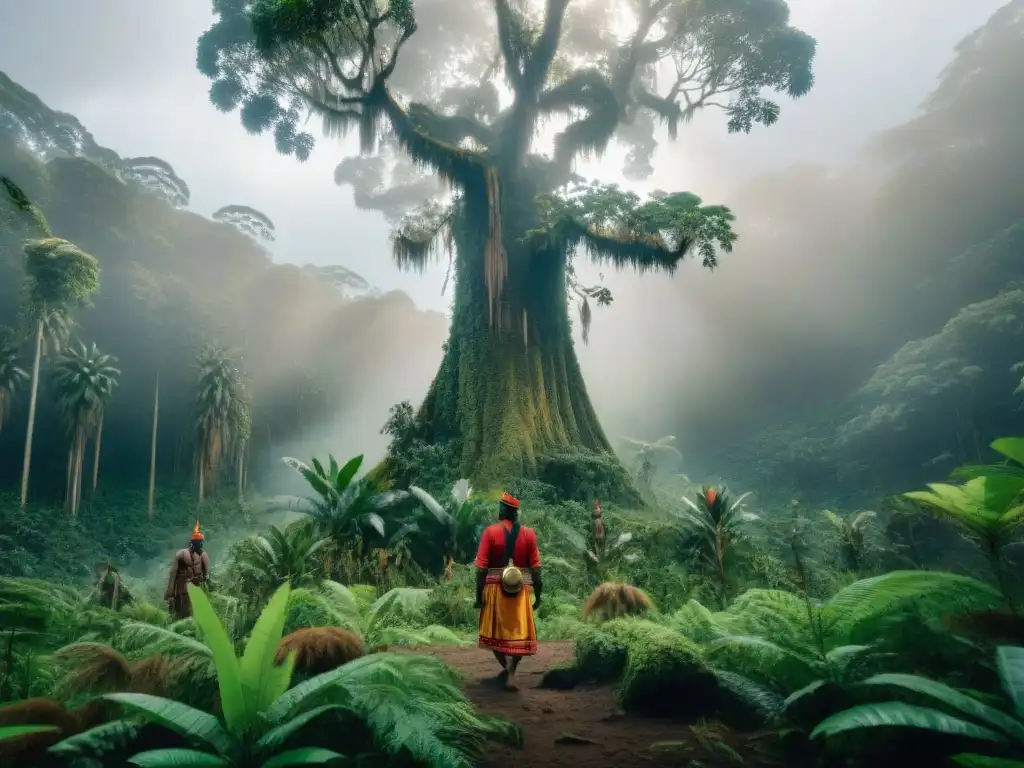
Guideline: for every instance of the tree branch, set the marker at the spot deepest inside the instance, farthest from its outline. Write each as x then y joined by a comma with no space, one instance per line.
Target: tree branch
452,129
451,162
604,101
507,36
527,67
588,90
614,225
544,50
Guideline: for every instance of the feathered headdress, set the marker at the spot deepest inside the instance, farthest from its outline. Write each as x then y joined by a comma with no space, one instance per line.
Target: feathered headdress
197,535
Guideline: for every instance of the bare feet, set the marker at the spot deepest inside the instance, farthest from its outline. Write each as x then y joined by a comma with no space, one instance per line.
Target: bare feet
510,683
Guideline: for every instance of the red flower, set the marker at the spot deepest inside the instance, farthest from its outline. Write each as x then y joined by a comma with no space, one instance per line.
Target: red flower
711,495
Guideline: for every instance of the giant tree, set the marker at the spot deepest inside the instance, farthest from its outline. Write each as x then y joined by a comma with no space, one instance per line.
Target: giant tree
476,85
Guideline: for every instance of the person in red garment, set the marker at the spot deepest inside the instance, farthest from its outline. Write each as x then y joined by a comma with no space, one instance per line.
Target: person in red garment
508,587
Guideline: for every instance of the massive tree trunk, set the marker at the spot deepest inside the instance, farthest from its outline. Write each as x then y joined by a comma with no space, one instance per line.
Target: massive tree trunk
509,393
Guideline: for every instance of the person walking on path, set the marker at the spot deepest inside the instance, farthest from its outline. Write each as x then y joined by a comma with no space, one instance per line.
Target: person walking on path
508,589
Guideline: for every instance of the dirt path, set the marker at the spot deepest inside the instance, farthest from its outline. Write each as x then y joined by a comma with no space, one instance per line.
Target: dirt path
571,728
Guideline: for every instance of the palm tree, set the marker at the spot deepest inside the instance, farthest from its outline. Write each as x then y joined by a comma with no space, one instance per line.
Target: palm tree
84,379
602,559
240,419
343,507
719,525
218,389
852,543
57,275
149,291
461,523
290,555
12,375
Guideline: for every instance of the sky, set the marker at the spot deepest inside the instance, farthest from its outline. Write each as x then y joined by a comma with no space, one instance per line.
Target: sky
140,94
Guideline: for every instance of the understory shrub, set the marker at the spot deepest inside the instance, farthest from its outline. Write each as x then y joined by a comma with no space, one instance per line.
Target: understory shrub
664,672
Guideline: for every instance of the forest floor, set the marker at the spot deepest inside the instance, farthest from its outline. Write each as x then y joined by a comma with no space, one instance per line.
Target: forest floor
564,729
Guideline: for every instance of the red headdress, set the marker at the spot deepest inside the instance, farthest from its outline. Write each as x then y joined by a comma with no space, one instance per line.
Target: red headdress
197,535
510,500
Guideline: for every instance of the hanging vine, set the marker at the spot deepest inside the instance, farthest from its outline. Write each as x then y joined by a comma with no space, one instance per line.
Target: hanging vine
495,257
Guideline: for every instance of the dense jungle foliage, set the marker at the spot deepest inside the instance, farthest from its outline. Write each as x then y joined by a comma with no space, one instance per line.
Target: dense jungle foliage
929,369
884,630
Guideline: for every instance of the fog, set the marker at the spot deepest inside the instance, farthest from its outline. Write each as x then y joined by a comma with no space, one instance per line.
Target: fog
795,317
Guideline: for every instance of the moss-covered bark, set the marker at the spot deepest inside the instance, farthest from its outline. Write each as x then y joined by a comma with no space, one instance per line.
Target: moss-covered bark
510,393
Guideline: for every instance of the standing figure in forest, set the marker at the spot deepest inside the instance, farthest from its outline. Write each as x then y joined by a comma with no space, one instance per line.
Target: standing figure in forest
109,591
190,565
508,574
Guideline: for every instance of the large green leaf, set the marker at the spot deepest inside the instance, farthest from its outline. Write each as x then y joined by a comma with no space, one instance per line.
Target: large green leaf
263,680
807,690
896,713
323,488
1011,448
952,698
868,598
347,472
98,740
304,756
983,761
16,731
1010,660
305,693
178,758
194,724
432,505
229,682
277,736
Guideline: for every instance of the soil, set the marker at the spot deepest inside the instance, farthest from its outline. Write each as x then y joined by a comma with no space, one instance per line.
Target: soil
583,727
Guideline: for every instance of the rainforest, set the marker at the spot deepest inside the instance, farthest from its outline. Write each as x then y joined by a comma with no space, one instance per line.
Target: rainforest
721,300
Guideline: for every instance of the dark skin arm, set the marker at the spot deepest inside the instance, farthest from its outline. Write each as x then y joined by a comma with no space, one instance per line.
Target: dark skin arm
481,580
537,586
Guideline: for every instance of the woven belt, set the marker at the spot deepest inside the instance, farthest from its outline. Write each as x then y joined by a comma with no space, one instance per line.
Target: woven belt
494,576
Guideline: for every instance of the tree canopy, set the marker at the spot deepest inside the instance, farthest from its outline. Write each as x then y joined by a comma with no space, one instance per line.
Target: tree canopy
421,77
452,101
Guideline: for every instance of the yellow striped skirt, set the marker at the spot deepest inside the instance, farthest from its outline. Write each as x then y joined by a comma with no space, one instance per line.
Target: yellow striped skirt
506,623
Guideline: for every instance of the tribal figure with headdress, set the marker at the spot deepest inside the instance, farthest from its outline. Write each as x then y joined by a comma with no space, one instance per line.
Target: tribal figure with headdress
508,587
191,565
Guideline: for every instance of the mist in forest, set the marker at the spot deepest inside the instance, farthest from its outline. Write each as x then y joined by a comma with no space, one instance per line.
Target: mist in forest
896,163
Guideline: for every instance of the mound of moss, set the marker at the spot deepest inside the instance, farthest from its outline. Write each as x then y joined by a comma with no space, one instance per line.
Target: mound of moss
660,672
307,609
599,656
664,672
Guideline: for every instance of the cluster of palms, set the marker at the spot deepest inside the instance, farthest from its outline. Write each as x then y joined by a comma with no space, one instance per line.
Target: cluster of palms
59,278
349,518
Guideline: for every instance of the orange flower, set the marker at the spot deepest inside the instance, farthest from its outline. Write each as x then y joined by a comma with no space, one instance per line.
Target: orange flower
711,495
